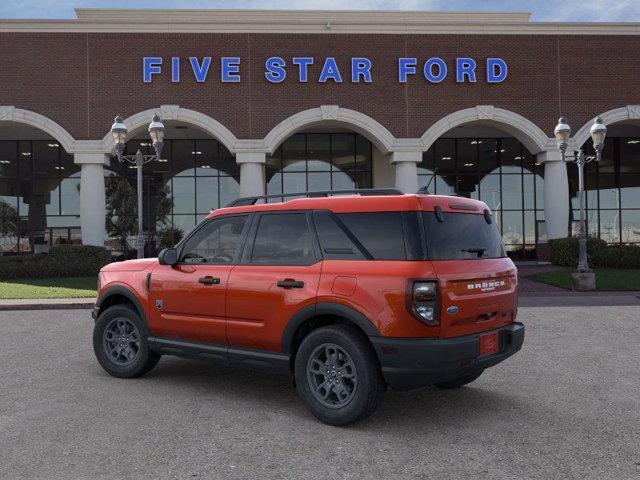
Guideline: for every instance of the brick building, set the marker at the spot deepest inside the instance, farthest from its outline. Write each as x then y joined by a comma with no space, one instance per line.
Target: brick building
266,101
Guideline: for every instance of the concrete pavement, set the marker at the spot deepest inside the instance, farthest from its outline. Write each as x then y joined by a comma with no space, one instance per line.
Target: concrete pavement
565,407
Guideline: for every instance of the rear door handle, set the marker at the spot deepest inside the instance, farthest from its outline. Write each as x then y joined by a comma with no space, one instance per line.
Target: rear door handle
290,284
208,280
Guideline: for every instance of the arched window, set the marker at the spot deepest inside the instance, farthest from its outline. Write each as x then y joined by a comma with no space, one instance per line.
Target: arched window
320,161
498,171
194,177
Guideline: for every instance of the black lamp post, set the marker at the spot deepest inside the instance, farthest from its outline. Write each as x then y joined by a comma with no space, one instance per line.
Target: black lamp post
156,132
598,133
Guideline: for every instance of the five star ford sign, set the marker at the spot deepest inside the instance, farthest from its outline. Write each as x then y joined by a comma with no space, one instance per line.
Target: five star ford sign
361,69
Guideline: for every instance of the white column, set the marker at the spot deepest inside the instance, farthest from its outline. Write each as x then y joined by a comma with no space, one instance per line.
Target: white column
92,197
251,173
406,166
556,194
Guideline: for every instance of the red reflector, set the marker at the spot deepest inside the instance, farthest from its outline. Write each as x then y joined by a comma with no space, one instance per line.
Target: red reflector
489,343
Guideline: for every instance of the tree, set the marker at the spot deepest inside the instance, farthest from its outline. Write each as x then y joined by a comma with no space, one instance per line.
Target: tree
9,224
122,210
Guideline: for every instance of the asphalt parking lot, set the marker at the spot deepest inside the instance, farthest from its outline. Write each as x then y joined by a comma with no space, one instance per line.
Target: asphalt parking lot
567,406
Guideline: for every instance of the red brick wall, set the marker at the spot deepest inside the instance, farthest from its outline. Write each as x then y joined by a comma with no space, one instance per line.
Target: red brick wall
82,80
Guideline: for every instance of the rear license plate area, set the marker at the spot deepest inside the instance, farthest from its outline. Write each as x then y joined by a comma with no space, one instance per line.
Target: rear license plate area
489,343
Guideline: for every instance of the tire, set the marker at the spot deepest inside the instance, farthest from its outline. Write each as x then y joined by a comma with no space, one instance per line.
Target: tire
460,381
354,390
132,357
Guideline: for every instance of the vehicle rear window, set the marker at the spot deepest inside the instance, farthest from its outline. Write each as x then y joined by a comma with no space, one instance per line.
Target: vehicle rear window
461,236
380,233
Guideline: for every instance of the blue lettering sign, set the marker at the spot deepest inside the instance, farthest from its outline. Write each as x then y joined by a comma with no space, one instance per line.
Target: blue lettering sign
175,69
200,71
428,70
496,70
465,67
406,66
360,67
330,71
230,69
434,69
303,66
150,66
276,72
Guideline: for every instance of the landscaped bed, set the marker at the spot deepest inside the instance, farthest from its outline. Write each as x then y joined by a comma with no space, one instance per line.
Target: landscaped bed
71,287
607,279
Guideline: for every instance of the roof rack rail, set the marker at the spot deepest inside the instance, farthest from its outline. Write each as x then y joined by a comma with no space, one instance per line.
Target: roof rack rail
244,201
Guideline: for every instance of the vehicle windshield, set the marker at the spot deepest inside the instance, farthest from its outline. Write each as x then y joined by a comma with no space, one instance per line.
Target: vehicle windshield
461,236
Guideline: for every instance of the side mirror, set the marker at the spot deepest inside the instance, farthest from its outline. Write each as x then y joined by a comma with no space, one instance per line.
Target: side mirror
168,256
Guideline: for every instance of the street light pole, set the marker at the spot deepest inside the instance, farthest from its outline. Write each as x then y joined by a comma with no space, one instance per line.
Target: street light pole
156,132
140,238
583,263
562,133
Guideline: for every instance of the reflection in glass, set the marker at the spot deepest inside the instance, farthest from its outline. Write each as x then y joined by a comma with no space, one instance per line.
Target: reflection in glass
631,226
512,191
490,191
512,234
610,226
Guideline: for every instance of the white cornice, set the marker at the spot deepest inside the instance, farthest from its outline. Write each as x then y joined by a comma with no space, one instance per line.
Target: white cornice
307,21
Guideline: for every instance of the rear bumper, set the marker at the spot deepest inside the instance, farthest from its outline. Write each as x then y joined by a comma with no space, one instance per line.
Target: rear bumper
415,362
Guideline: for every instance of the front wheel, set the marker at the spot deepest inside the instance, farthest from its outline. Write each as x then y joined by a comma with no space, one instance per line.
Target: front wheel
338,376
120,343
460,381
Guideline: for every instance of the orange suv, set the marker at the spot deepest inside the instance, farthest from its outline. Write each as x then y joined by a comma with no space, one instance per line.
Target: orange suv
348,292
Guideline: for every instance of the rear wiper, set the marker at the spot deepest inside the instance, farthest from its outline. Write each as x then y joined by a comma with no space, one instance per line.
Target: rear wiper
478,250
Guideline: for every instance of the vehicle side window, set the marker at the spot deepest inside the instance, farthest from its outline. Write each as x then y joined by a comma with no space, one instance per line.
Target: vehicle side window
216,242
283,239
334,242
380,233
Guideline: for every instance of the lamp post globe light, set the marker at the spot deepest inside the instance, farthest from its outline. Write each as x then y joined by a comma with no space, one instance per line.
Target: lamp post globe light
119,133
583,278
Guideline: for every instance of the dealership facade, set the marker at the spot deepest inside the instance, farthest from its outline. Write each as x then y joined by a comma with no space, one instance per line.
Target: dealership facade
277,102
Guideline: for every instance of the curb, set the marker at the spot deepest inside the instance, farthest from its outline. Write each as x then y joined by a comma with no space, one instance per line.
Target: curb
7,307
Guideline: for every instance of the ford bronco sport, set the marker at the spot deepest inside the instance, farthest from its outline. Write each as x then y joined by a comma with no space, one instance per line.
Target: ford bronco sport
348,294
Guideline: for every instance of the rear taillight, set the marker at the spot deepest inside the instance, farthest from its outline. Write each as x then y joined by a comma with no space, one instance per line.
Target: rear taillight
423,302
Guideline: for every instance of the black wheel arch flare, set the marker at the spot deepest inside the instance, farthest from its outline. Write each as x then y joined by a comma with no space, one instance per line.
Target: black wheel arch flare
120,291
329,309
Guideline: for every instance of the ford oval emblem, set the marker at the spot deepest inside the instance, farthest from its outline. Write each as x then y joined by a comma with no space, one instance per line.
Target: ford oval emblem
452,310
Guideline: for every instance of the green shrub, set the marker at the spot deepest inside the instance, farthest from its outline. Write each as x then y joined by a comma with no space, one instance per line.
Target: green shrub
564,252
620,256
61,261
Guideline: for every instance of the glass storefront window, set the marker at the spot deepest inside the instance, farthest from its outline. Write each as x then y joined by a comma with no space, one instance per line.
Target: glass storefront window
193,178
612,191
320,161
39,193
630,226
498,171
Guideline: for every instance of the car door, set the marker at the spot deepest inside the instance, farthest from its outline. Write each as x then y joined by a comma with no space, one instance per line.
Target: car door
278,275
188,299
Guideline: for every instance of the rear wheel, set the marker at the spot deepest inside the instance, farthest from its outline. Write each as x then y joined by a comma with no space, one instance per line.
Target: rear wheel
338,376
120,343
460,381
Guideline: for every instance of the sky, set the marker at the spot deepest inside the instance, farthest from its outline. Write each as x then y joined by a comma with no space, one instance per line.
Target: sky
542,10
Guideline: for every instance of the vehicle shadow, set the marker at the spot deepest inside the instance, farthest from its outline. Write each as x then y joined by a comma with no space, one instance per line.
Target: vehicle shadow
415,409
